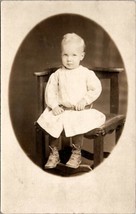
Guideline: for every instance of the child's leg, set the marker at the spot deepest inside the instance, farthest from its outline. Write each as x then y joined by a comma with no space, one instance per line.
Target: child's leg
78,140
53,142
75,158
53,159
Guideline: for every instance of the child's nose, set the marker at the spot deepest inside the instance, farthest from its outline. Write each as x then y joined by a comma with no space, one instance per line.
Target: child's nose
69,58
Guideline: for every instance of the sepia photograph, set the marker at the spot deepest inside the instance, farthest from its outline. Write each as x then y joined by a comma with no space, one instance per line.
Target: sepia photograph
68,107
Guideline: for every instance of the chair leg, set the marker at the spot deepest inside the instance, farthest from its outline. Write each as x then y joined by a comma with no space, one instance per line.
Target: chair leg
98,150
40,146
118,132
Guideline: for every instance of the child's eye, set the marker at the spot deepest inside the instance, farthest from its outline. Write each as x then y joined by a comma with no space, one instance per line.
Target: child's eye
74,55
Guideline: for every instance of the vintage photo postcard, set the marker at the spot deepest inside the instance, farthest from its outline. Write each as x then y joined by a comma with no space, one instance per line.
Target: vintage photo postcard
68,107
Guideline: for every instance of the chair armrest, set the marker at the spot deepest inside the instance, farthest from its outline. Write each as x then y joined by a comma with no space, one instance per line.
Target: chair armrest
42,73
112,123
46,72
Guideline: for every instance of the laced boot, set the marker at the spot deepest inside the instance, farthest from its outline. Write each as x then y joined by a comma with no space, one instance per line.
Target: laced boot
75,158
53,159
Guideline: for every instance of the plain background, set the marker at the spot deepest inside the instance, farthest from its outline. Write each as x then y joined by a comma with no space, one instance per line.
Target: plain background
111,187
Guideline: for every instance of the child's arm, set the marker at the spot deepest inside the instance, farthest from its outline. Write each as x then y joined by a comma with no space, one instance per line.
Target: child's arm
51,94
51,91
94,89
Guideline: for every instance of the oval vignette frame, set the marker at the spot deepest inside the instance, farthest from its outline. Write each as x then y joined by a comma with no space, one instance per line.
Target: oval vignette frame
40,49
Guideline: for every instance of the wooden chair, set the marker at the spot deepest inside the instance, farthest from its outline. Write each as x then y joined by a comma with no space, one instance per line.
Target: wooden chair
114,121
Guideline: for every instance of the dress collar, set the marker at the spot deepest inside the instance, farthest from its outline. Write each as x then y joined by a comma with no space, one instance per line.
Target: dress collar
79,67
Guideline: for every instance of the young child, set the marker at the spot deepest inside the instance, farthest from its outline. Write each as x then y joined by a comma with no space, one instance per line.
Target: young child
69,95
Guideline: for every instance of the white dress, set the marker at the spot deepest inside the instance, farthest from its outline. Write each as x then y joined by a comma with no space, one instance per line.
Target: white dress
66,87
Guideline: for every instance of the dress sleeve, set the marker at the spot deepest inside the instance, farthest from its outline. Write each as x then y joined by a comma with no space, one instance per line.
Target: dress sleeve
94,88
51,91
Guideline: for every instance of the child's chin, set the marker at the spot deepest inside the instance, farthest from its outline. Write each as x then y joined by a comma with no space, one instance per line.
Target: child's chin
70,67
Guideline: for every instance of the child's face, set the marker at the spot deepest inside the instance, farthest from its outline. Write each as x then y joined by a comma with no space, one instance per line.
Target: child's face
71,55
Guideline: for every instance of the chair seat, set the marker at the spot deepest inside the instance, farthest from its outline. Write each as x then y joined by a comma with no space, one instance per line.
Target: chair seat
113,121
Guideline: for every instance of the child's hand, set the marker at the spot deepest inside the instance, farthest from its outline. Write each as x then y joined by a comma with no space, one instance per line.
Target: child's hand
80,105
57,110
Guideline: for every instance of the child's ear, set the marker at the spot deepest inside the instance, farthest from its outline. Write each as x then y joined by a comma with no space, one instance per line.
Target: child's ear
83,55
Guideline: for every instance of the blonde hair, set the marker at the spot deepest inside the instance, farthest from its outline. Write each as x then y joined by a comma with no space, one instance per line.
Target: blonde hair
73,38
